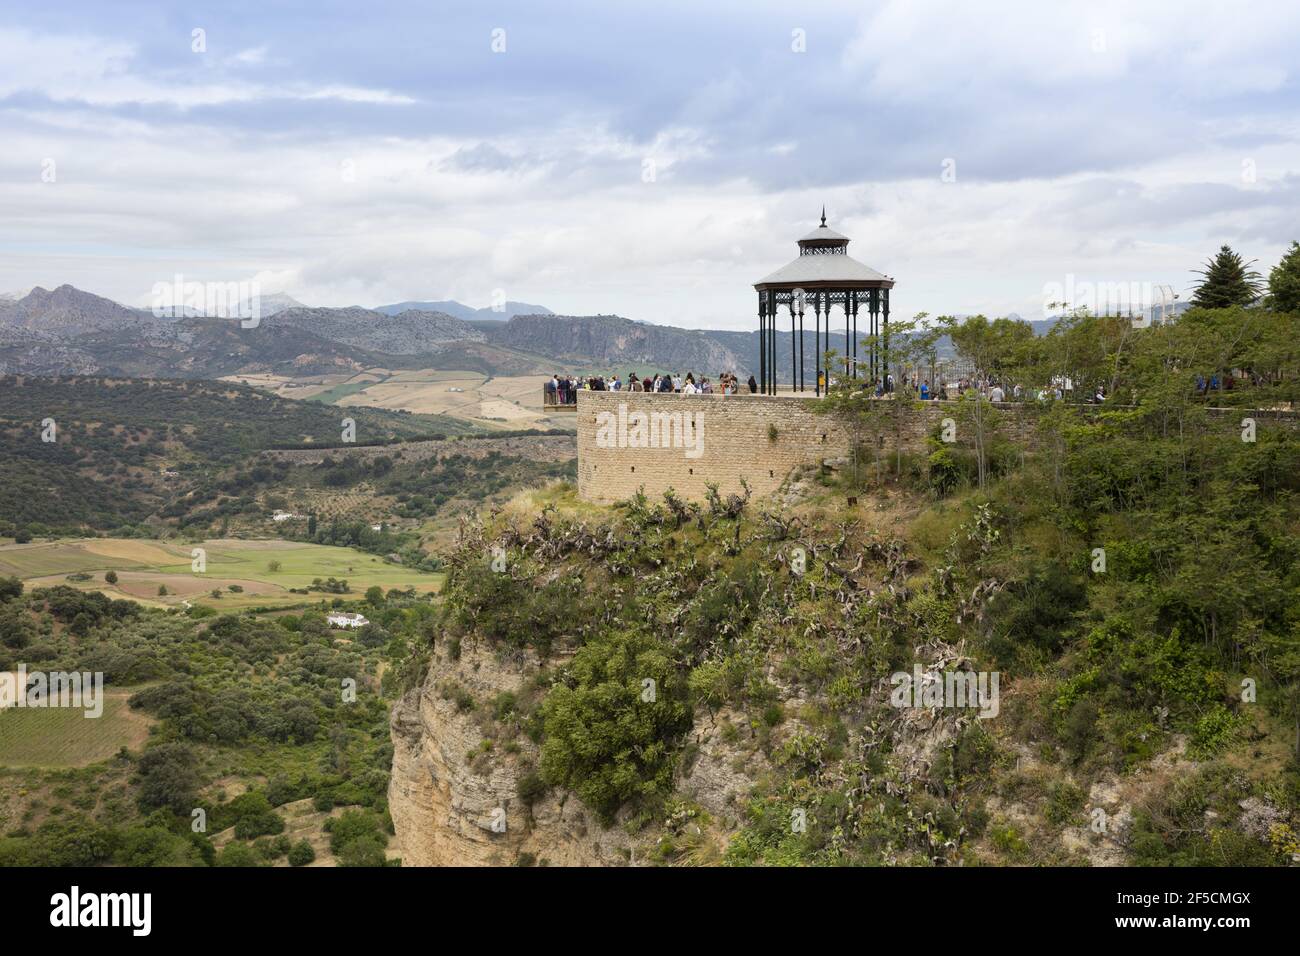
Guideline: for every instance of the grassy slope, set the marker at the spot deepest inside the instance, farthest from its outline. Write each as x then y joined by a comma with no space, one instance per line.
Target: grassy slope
143,565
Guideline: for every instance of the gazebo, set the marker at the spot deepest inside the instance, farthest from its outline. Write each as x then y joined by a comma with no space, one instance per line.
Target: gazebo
823,275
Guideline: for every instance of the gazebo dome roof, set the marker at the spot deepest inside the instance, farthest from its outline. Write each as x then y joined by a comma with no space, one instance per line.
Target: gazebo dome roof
828,269
824,261
823,233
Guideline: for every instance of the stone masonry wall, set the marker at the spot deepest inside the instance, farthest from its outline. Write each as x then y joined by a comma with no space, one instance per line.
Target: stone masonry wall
737,442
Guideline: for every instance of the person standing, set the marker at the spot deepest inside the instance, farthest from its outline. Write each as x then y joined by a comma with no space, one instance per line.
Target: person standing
753,386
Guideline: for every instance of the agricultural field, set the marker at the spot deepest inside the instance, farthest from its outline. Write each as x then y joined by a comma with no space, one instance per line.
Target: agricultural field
65,737
262,571
513,401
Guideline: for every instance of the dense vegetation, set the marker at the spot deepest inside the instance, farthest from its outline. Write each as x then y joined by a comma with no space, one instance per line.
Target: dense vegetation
113,437
278,703
1131,573
132,455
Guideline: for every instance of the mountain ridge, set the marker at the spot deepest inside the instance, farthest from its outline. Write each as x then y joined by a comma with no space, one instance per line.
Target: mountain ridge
70,331
459,310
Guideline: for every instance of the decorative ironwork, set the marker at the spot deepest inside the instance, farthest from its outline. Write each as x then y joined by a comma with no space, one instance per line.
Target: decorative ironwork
847,295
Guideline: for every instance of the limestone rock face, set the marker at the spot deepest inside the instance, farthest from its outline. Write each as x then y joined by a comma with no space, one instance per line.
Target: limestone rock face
448,809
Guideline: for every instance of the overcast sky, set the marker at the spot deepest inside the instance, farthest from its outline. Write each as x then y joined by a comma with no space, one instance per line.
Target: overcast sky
646,159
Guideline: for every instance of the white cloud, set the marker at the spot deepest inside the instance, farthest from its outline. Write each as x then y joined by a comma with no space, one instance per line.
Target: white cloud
557,212
251,56
103,73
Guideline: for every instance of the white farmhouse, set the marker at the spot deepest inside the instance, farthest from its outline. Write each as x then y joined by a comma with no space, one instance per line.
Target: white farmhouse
347,620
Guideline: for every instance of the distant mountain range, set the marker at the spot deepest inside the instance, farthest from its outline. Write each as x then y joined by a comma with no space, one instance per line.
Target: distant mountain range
507,311
68,331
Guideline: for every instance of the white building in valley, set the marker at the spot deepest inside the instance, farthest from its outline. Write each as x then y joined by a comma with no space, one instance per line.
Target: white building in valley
347,620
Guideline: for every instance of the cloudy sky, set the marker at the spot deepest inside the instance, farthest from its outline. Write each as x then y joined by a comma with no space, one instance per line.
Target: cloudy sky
645,159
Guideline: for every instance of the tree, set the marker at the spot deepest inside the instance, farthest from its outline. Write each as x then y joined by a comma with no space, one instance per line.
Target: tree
110,577
913,346
311,526
1227,282
169,778
16,628
154,845
993,349
603,739
1284,282
301,853
273,566
366,851
239,854
10,588
22,536
375,595
354,825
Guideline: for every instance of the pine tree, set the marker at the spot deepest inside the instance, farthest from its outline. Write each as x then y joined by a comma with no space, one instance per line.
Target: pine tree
1227,282
1284,282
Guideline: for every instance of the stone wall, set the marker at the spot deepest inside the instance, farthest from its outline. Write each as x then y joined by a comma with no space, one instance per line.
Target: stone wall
736,441
761,438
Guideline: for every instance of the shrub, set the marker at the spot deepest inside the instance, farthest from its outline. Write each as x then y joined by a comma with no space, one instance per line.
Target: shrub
604,741
531,788
259,824
301,853
168,778
1064,801
363,851
354,825
239,854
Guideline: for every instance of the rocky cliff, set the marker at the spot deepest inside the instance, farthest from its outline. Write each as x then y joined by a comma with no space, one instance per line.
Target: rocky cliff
740,682
448,796
455,804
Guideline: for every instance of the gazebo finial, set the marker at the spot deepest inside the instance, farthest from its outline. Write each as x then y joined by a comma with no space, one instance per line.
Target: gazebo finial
823,214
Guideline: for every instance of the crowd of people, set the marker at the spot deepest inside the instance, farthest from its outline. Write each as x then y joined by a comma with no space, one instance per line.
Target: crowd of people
995,391
563,389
